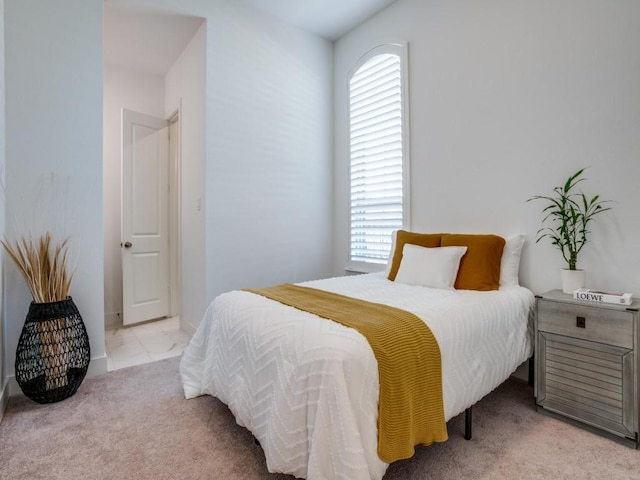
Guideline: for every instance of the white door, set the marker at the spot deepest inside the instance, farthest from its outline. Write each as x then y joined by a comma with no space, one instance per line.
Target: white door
145,217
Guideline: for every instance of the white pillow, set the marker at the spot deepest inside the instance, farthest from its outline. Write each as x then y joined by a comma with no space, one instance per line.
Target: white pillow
435,267
510,263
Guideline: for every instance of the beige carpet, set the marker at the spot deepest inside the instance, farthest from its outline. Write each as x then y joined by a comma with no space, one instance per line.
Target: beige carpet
135,424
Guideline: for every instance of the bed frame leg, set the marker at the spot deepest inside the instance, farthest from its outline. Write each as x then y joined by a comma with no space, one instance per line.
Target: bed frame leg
532,366
467,424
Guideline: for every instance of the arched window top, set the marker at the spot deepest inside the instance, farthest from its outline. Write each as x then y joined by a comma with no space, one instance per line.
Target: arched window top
397,49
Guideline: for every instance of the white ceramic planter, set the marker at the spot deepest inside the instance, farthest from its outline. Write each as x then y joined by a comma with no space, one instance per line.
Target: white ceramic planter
572,279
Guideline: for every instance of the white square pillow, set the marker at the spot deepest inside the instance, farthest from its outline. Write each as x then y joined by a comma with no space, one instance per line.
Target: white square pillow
510,263
430,267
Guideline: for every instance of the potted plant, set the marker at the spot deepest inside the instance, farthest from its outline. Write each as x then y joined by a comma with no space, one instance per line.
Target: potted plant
53,351
568,214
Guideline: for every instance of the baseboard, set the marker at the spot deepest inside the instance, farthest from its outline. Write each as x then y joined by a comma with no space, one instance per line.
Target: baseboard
112,320
97,366
4,399
13,387
187,328
522,372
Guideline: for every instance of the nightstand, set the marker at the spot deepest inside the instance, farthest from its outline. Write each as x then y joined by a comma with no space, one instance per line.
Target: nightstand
587,363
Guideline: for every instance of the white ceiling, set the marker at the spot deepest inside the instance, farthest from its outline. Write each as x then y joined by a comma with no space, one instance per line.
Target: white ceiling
144,38
330,19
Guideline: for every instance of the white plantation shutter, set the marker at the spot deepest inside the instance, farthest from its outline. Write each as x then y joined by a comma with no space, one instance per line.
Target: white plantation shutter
376,134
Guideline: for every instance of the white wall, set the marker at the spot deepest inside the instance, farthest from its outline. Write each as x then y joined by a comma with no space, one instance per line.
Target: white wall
507,99
269,137
186,90
141,92
4,391
53,109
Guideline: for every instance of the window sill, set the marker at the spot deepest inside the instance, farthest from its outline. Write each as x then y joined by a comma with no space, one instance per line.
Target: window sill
365,268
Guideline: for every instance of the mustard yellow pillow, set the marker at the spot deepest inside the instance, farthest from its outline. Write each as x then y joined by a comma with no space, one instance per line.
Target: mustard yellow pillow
420,239
480,266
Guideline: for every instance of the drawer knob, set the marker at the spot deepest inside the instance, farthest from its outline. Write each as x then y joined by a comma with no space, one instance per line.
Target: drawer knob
581,322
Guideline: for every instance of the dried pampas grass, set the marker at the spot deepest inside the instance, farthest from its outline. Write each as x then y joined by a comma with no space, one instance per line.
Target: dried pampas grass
44,266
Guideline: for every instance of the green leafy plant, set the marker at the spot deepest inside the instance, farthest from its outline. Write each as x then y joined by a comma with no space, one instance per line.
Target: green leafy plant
569,212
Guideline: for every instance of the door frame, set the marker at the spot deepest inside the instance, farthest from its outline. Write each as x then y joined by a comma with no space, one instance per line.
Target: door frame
175,208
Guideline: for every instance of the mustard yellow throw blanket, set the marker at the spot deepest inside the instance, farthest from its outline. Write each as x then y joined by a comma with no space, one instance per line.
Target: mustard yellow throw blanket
410,407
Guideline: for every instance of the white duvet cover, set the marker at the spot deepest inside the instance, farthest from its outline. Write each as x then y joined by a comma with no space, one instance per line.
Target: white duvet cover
307,387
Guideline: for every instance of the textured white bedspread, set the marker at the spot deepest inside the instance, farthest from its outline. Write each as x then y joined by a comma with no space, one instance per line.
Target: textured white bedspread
307,388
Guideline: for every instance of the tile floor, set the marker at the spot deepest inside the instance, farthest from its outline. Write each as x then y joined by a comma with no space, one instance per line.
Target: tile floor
144,343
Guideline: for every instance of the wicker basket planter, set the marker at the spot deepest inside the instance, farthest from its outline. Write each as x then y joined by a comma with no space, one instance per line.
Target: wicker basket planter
53,351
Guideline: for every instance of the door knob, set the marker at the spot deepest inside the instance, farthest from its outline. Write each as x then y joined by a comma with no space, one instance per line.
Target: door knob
128,244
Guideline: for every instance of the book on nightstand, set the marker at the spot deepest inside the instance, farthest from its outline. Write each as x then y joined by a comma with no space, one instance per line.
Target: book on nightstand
602,296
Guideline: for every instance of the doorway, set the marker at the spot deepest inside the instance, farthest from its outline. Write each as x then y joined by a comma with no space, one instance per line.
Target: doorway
151,334
145,66
154,63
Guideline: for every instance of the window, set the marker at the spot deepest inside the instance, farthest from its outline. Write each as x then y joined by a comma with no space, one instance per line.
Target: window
379,157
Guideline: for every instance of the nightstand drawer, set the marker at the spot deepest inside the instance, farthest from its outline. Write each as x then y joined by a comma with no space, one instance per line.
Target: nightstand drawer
612,327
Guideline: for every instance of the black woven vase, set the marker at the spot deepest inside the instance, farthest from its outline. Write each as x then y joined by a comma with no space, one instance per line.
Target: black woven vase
53,352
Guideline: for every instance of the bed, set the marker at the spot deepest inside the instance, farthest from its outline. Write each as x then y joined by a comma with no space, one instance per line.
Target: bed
308,387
